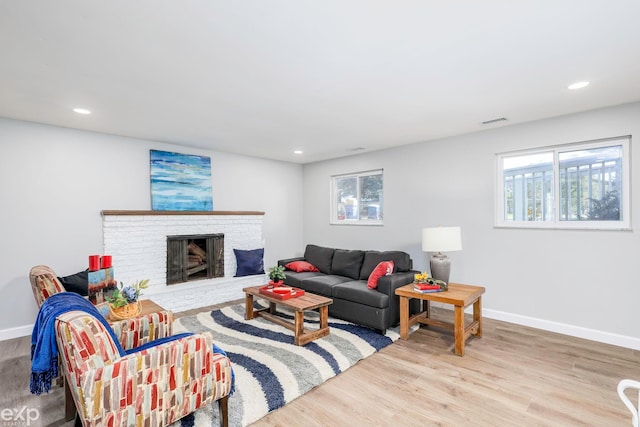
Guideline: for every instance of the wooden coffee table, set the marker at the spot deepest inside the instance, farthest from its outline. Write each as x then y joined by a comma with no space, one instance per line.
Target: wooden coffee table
460,296
299,305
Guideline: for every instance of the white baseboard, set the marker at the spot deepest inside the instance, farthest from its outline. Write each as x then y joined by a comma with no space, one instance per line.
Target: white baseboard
563,328
20,331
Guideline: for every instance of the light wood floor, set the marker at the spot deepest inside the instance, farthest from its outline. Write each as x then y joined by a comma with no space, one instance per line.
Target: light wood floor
513,376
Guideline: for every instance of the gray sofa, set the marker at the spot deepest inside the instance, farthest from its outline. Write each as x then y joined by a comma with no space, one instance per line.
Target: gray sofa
343,277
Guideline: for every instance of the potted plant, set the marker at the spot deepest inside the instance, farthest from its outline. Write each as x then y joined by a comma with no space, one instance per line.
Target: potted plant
276,274
123,303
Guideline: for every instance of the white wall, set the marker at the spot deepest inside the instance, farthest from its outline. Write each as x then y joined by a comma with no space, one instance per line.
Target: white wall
584,283
55,181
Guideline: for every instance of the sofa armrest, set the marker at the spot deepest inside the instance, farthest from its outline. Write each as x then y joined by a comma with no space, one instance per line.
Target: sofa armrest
389,284
284,262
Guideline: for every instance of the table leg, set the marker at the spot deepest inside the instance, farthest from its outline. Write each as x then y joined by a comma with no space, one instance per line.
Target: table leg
324,317
458,330
404,317
299,327
272,307
477,315
248,307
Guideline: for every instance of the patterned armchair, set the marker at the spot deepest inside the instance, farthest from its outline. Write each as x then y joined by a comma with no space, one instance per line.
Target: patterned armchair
130,332
44,283
152,387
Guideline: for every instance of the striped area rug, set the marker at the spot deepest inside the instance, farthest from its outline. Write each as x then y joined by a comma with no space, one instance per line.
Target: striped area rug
270,371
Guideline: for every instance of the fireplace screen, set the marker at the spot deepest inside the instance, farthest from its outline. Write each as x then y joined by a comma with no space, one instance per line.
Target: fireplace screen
194,257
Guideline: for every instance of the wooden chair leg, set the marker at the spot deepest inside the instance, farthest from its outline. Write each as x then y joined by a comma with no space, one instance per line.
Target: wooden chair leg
69,404
223,406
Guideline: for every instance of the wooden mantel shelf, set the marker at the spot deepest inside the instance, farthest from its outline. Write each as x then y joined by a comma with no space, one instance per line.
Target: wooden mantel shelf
142,213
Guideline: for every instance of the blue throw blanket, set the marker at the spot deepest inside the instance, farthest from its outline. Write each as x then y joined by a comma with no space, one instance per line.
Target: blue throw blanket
44,349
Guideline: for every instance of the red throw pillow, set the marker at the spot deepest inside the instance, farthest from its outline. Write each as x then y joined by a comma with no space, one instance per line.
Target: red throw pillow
382,269
300,266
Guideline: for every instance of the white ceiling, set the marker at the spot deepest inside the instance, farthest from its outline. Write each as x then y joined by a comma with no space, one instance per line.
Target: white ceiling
266,77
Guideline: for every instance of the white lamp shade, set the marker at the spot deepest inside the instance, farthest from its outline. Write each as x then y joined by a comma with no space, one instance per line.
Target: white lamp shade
441,239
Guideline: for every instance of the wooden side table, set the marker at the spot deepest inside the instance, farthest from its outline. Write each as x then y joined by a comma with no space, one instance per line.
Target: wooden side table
460,296
147,307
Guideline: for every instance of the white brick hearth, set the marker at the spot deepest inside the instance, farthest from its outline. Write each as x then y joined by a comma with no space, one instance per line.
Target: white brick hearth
137,240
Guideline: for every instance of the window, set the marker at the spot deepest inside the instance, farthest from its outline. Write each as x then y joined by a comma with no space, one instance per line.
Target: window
584,185
357,198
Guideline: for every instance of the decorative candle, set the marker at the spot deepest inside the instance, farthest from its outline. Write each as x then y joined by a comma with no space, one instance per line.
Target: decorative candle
94,262
106,261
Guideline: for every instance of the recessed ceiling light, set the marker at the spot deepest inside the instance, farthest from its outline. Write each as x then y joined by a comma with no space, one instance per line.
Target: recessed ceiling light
81,111
298,152
499,119
578,85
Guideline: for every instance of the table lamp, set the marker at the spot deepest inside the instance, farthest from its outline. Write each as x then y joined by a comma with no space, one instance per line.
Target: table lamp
441,239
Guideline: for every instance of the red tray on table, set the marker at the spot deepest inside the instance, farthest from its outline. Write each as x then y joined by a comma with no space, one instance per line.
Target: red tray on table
281,292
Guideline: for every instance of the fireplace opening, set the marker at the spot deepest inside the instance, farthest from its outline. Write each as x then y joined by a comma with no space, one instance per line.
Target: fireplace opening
194,257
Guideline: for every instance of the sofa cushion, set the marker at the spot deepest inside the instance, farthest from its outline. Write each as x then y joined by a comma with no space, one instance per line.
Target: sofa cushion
320,257
382,269
357,291
347,263
401,261
322,284
294,279
300,266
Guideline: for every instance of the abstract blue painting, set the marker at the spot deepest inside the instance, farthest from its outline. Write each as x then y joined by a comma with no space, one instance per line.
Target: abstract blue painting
180,182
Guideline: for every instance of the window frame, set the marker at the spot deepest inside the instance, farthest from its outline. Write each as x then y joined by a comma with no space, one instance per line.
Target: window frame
557,223
333,204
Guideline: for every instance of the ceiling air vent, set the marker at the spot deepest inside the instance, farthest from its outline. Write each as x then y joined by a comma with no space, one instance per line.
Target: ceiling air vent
499,119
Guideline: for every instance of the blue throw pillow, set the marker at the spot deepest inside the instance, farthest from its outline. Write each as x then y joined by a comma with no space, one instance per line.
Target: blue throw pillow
249,262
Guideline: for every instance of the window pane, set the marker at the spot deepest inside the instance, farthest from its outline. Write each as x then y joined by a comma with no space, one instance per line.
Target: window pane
582,185
528,187
347,194
590,184
370,197
357,198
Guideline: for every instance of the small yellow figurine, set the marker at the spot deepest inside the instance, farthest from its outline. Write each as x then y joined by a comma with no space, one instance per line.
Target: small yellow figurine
421,277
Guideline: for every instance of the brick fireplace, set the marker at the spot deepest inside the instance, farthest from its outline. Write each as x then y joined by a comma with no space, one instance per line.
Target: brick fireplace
137,240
